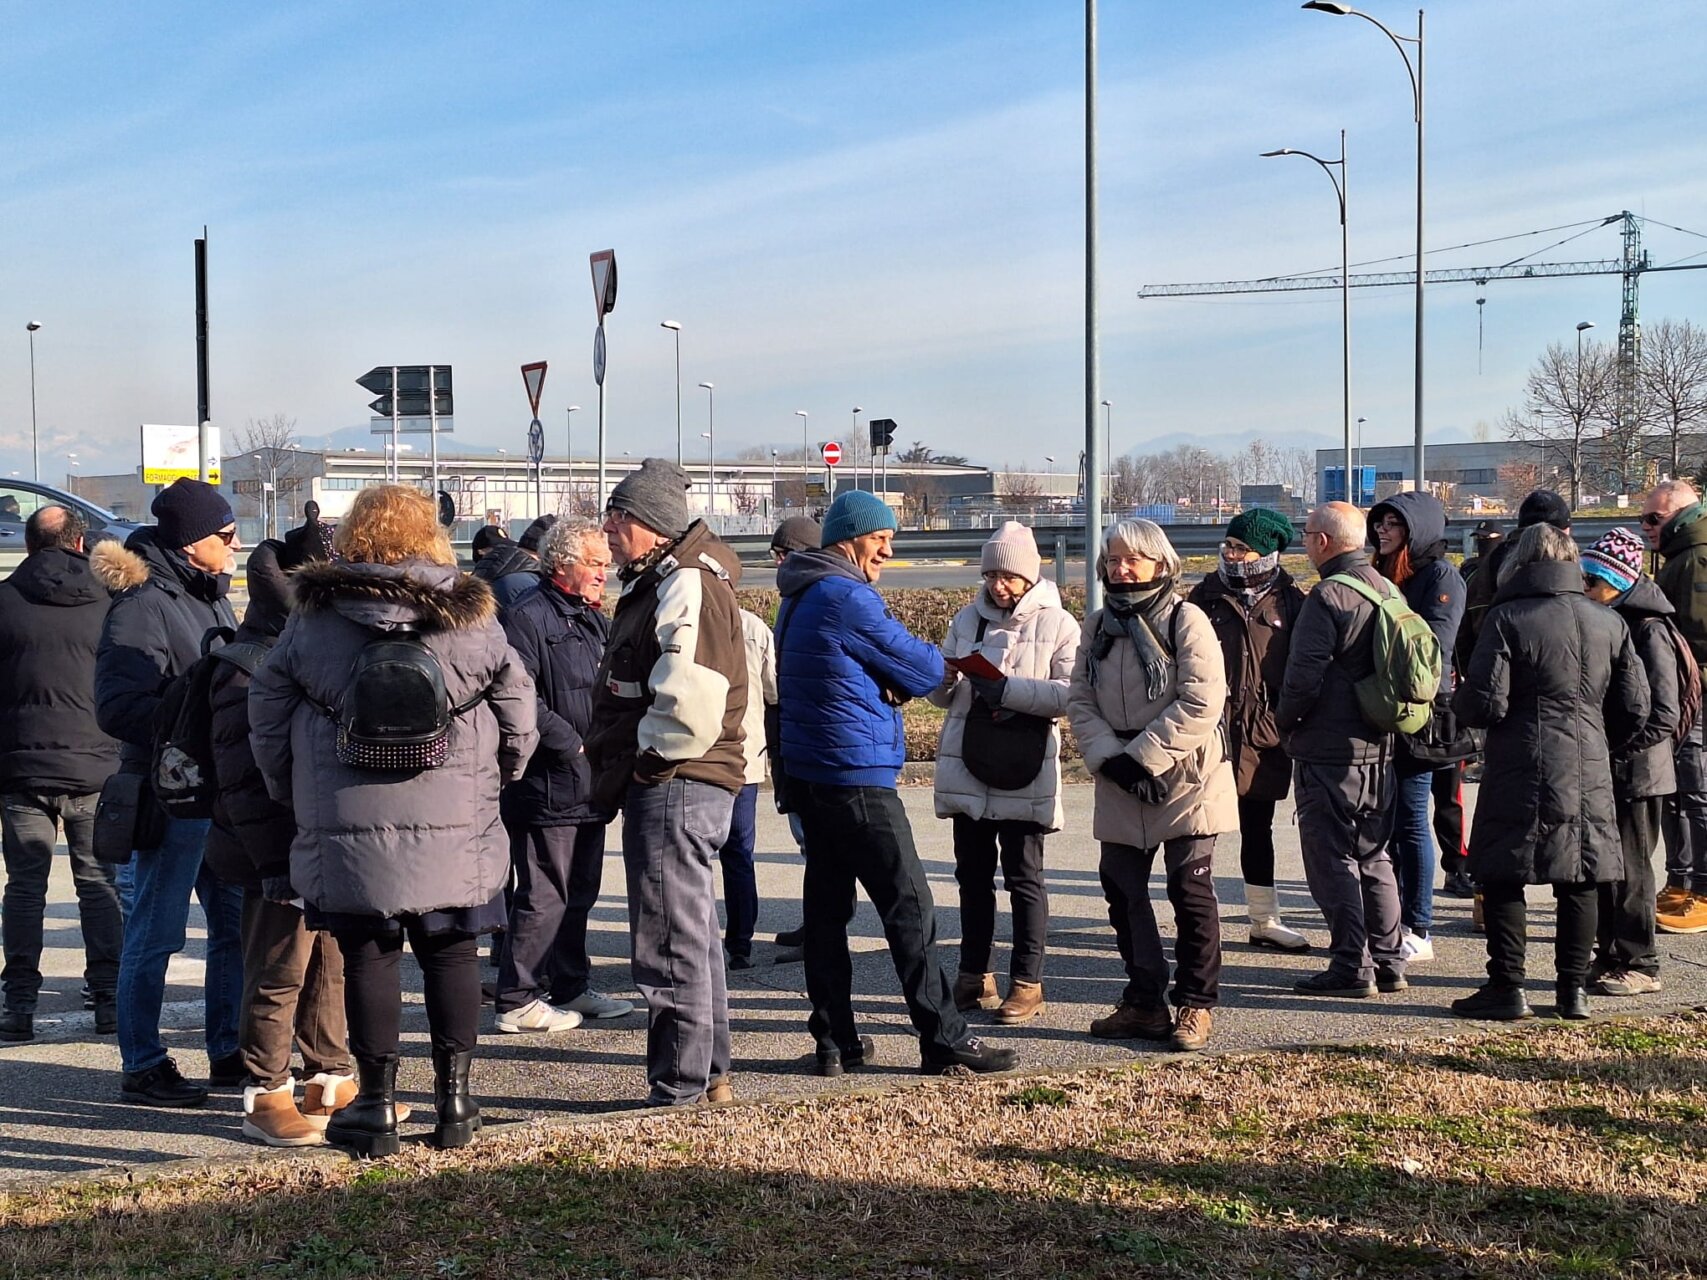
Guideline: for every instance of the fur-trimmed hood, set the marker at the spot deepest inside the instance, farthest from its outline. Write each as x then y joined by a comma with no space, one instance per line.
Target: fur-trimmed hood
117,566
414,593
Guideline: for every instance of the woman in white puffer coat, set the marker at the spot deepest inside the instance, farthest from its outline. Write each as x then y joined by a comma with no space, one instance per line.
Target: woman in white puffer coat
998,772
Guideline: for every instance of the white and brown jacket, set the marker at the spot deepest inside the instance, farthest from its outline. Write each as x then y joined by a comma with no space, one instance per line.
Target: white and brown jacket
672,692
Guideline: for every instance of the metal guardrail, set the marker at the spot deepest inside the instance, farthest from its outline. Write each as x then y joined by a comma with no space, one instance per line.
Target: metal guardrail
955,544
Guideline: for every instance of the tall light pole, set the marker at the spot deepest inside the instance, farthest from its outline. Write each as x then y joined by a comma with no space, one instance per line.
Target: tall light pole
853,444
1340,188
1108,451
569,451
35,445
1582,400
805,453
773,482
675,327
1416,75
1093,366
1359,451
711,435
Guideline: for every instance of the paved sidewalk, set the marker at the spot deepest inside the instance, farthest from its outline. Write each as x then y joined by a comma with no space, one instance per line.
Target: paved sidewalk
60,1113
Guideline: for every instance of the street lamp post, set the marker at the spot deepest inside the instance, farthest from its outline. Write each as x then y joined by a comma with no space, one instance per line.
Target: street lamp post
1416,74
853,444
676,328
1108,452
1341,185
1357,449
35,445
1582,400
710,466
711,435
569,450
773,483
805,453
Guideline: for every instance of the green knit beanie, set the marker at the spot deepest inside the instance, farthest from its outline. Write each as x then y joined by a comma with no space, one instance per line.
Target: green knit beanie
1262,530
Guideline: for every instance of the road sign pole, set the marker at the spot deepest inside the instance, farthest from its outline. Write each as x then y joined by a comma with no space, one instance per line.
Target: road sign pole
396,463
600,496
433,420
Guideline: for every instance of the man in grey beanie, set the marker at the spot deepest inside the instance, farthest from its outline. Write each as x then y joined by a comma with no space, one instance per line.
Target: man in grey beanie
666,747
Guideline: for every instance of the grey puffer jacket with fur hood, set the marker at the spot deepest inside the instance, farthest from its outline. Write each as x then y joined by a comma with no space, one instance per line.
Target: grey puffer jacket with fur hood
387,843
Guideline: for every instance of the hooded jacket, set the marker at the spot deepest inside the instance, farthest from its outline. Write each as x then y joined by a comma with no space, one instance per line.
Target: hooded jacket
387,843
1647,765
1254,644
1333,647
511,572
560,640
1683,575
1034,645
1436,593
1176,735
165,614
252,833
844,663
52,609
1556,682
672,689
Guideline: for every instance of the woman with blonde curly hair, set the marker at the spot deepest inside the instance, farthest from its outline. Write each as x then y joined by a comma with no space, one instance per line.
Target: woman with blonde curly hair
392,846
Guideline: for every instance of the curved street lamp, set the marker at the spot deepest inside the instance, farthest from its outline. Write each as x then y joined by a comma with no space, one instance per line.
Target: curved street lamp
1341,183
35,445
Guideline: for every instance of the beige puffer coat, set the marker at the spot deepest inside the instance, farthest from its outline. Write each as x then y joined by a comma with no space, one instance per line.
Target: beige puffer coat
1180,728
1034,645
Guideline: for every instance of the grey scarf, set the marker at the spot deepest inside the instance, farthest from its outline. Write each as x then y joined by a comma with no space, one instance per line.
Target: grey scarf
1134,615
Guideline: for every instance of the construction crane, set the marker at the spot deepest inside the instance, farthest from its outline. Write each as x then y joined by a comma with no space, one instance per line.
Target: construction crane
1630,267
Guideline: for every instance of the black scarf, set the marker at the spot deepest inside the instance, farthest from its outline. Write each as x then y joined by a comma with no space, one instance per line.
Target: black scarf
1134,610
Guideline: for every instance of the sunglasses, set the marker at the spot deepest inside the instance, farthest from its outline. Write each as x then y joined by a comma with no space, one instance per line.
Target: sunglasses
227,536
1653,520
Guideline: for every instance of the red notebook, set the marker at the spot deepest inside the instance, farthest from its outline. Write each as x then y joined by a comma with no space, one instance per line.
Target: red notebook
975,664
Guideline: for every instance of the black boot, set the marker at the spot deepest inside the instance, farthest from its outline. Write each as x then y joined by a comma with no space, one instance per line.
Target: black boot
459,1114
368,1126
1572,1000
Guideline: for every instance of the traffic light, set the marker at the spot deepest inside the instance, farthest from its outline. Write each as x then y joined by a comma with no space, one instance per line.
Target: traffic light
882,434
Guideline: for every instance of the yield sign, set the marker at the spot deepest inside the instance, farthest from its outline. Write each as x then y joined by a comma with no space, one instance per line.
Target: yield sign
533,378
604,282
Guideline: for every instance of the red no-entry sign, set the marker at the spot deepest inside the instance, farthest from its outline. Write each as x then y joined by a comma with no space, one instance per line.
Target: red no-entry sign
832,453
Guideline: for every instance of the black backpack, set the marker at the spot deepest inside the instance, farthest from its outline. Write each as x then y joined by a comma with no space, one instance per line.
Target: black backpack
395,713
181,771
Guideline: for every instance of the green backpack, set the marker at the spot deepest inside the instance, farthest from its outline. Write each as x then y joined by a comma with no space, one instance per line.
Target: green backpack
1398,696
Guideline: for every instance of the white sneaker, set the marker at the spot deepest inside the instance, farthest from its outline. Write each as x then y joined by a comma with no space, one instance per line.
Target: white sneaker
1416,948
537,1015
596,1004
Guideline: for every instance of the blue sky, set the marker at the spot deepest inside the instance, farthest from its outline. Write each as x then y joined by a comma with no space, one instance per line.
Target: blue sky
875,204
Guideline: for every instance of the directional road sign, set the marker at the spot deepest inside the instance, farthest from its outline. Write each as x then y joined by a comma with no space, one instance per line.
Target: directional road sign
533,378
832,453
407,396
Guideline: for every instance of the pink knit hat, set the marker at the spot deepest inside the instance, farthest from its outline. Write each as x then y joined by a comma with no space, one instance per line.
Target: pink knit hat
1012,549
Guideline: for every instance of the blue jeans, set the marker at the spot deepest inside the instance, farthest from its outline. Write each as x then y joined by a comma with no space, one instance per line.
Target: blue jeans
1413,852
740,881
159,916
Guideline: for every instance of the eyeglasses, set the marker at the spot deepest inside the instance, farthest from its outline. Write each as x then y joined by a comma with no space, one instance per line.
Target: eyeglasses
1314,533
1233,547
1653,520
227,536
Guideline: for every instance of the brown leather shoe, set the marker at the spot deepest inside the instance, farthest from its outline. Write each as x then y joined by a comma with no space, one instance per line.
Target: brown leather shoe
1130,1022
1191,1029
975,991
1024,1002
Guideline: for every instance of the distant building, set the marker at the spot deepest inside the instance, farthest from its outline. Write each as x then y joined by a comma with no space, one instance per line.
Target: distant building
1466,470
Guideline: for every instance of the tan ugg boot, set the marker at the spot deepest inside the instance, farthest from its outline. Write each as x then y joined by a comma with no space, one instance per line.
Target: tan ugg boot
270,1116
975,991
1024,1002
325,1093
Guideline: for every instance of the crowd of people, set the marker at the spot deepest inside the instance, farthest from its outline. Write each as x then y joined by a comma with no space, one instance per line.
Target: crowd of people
400,753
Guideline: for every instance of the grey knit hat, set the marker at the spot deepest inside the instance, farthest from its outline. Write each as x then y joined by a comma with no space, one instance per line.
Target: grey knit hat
656,495
797,533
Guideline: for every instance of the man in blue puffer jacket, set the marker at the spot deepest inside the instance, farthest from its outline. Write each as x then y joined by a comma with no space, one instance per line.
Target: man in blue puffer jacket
844,667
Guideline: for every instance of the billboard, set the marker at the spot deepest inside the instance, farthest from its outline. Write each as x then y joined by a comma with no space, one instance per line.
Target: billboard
172,453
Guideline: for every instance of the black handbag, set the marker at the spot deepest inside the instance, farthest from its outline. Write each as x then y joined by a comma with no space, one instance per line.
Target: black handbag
127,818
1002,749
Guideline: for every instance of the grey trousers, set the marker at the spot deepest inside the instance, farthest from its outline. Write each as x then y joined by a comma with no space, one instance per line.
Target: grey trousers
671,832
1345,816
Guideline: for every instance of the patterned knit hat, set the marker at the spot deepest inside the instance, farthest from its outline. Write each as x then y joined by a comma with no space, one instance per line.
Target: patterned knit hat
1262,530
1616,557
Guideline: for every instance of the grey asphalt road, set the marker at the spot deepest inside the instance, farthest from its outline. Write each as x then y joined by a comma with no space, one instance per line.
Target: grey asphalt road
60,1113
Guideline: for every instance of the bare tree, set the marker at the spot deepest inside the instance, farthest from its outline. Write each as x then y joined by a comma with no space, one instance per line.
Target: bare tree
746,498
1564,402
1518,480
1128,486
1673,382
1296,466
1018,490
276,462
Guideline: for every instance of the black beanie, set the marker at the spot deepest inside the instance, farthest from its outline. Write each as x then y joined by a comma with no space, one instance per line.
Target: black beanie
1544,507
187,511
535,533
656,495
486,537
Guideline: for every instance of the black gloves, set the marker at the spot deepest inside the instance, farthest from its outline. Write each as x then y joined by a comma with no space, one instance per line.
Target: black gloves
278,889
992,691
1134,779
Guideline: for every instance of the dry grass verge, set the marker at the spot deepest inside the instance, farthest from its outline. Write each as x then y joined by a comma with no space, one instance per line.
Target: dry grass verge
1552,1151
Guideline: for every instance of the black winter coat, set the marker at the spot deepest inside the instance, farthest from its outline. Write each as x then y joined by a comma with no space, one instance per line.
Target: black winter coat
511,572
561,640
251,834
51,612
1436,593
1333,647
1556,682
1647,765
155,630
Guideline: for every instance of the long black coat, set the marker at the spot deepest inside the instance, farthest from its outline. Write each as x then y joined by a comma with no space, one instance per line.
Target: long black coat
1647,765
51,613
1556,682
561,641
